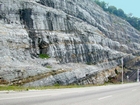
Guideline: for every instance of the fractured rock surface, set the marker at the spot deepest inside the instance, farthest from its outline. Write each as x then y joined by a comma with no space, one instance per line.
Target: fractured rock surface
79,37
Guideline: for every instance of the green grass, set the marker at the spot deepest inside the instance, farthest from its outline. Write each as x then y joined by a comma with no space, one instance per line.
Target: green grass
14,88
56,86
43,56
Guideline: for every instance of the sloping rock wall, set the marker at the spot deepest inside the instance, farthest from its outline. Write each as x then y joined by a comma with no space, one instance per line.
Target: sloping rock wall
69,31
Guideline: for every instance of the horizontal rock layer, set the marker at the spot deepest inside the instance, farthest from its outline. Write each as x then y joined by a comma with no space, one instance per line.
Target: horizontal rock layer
70,32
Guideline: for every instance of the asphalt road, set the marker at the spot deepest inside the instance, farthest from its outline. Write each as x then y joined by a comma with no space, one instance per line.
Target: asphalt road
126,94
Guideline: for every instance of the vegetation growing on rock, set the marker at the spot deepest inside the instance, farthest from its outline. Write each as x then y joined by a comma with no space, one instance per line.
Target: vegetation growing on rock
134,21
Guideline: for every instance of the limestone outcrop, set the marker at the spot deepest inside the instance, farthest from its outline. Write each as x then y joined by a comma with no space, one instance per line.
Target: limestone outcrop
84,44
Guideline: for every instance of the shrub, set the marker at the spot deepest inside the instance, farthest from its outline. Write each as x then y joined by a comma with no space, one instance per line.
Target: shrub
43,56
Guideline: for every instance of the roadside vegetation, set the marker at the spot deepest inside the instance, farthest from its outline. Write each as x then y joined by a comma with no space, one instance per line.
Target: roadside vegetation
56,86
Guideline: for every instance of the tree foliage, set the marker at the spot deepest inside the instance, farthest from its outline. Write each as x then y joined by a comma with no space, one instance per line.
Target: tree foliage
134,21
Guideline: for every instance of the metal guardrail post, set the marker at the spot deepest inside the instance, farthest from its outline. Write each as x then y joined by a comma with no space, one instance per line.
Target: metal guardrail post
138,75
122,70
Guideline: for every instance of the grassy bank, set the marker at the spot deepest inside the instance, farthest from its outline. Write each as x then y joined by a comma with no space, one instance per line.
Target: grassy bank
21,88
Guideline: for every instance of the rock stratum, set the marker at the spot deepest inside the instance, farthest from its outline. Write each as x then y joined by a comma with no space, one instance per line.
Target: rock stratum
83,43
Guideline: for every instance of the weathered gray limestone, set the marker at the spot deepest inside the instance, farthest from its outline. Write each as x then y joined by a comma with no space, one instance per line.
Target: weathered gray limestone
70,32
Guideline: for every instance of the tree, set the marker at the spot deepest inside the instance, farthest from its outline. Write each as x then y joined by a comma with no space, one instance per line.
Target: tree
112,9
134,21
102,4
129,15
121,13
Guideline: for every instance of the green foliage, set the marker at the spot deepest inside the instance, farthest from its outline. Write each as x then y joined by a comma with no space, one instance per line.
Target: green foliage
121,13
15,88
134,21
112,9
43,56
57,84
48,66
89,63
102,4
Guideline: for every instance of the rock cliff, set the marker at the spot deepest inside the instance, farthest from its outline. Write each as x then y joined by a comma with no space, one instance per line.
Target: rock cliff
84,44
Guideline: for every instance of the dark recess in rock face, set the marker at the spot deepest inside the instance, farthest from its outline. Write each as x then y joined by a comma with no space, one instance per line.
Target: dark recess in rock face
25,17
49,3
27,21
43,47
78,35
50,24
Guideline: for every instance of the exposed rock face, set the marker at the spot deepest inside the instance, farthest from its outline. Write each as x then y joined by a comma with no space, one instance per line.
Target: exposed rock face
74,33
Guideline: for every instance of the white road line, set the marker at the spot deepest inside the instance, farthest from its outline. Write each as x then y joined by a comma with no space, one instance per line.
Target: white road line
134,90
32,96
105,97
24,97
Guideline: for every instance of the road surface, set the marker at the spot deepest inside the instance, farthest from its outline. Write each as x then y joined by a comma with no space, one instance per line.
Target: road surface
125,94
